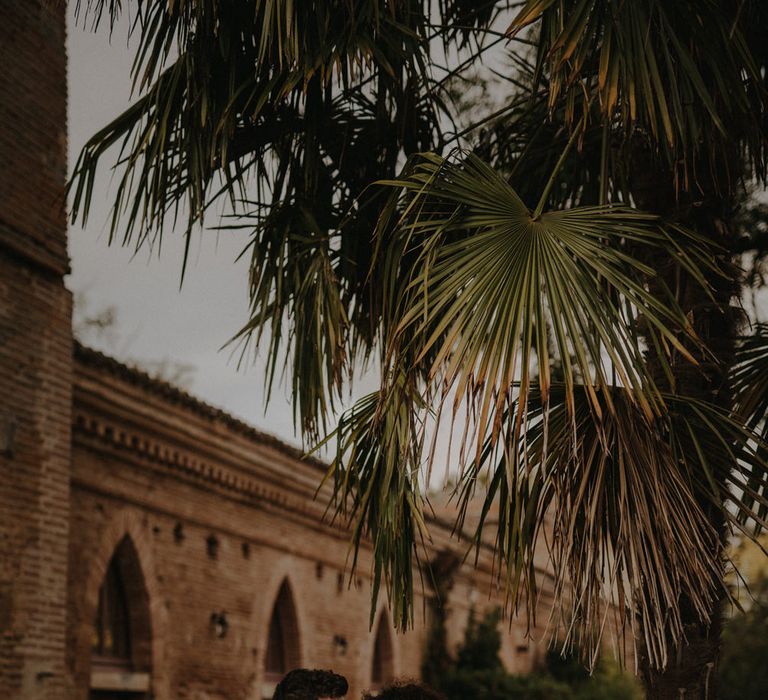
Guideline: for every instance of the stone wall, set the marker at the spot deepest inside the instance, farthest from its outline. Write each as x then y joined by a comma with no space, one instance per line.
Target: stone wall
35,352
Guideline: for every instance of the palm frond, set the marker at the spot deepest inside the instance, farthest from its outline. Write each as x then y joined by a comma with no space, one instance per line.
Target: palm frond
499,300
288,111
686,73
488,282
623,506
295,291
252,91
750,377
376,487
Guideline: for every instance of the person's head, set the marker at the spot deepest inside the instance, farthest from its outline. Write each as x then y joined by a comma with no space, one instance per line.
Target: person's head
314,684
406,690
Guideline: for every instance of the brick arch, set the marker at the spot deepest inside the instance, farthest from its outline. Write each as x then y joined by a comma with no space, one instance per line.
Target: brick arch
284,614
126,561
285,571
125,531
382,650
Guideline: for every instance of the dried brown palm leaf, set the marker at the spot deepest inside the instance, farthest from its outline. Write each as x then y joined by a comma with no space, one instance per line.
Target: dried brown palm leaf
624,506
684,73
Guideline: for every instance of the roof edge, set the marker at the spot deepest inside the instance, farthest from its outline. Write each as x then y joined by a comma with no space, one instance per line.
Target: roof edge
174,395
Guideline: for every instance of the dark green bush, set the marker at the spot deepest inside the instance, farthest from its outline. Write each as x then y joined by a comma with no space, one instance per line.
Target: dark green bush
461,684
482,642
744,654
477,672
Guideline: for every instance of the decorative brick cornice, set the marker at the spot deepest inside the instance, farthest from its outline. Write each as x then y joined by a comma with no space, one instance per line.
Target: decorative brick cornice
178,397
104,421
103,434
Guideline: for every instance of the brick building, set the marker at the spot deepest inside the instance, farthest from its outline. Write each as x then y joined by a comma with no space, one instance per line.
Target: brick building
152,546
230,574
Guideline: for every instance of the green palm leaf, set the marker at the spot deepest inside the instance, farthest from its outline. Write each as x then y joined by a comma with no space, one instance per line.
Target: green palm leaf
750,384
495,293
750,377
376,487
230,89
296,292
497,300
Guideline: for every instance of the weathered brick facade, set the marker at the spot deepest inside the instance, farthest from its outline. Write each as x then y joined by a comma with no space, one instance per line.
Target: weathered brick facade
207,521
35,352
173,475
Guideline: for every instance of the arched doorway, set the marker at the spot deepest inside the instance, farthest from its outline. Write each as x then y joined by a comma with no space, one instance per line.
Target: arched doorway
121,644
382,663
283,645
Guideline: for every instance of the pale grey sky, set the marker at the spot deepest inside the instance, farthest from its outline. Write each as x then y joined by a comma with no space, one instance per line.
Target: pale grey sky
155,320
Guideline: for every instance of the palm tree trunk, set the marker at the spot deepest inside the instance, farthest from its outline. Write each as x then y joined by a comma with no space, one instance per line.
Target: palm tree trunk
691,673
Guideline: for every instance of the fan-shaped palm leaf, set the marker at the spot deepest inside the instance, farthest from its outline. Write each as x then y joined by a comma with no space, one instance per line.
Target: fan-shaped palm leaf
490,280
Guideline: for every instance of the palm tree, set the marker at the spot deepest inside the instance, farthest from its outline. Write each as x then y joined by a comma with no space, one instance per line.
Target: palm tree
554,281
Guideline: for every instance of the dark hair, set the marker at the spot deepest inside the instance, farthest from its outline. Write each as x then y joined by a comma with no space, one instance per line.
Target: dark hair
406,690
306,684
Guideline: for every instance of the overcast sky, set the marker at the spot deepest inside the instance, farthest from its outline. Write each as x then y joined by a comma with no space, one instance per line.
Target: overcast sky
155,321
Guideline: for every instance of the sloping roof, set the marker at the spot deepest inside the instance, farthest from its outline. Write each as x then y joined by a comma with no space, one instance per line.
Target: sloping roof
172,394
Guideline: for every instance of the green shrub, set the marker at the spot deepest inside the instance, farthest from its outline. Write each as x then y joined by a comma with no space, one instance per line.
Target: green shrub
461,684
477,672
482,642
609,684
743,667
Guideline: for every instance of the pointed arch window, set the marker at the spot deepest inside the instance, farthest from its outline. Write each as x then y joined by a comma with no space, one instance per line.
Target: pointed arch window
121,641
276,663
282,653
112,629
382,670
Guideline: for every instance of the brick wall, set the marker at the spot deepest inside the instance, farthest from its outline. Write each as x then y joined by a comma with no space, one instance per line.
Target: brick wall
153,464
35,352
